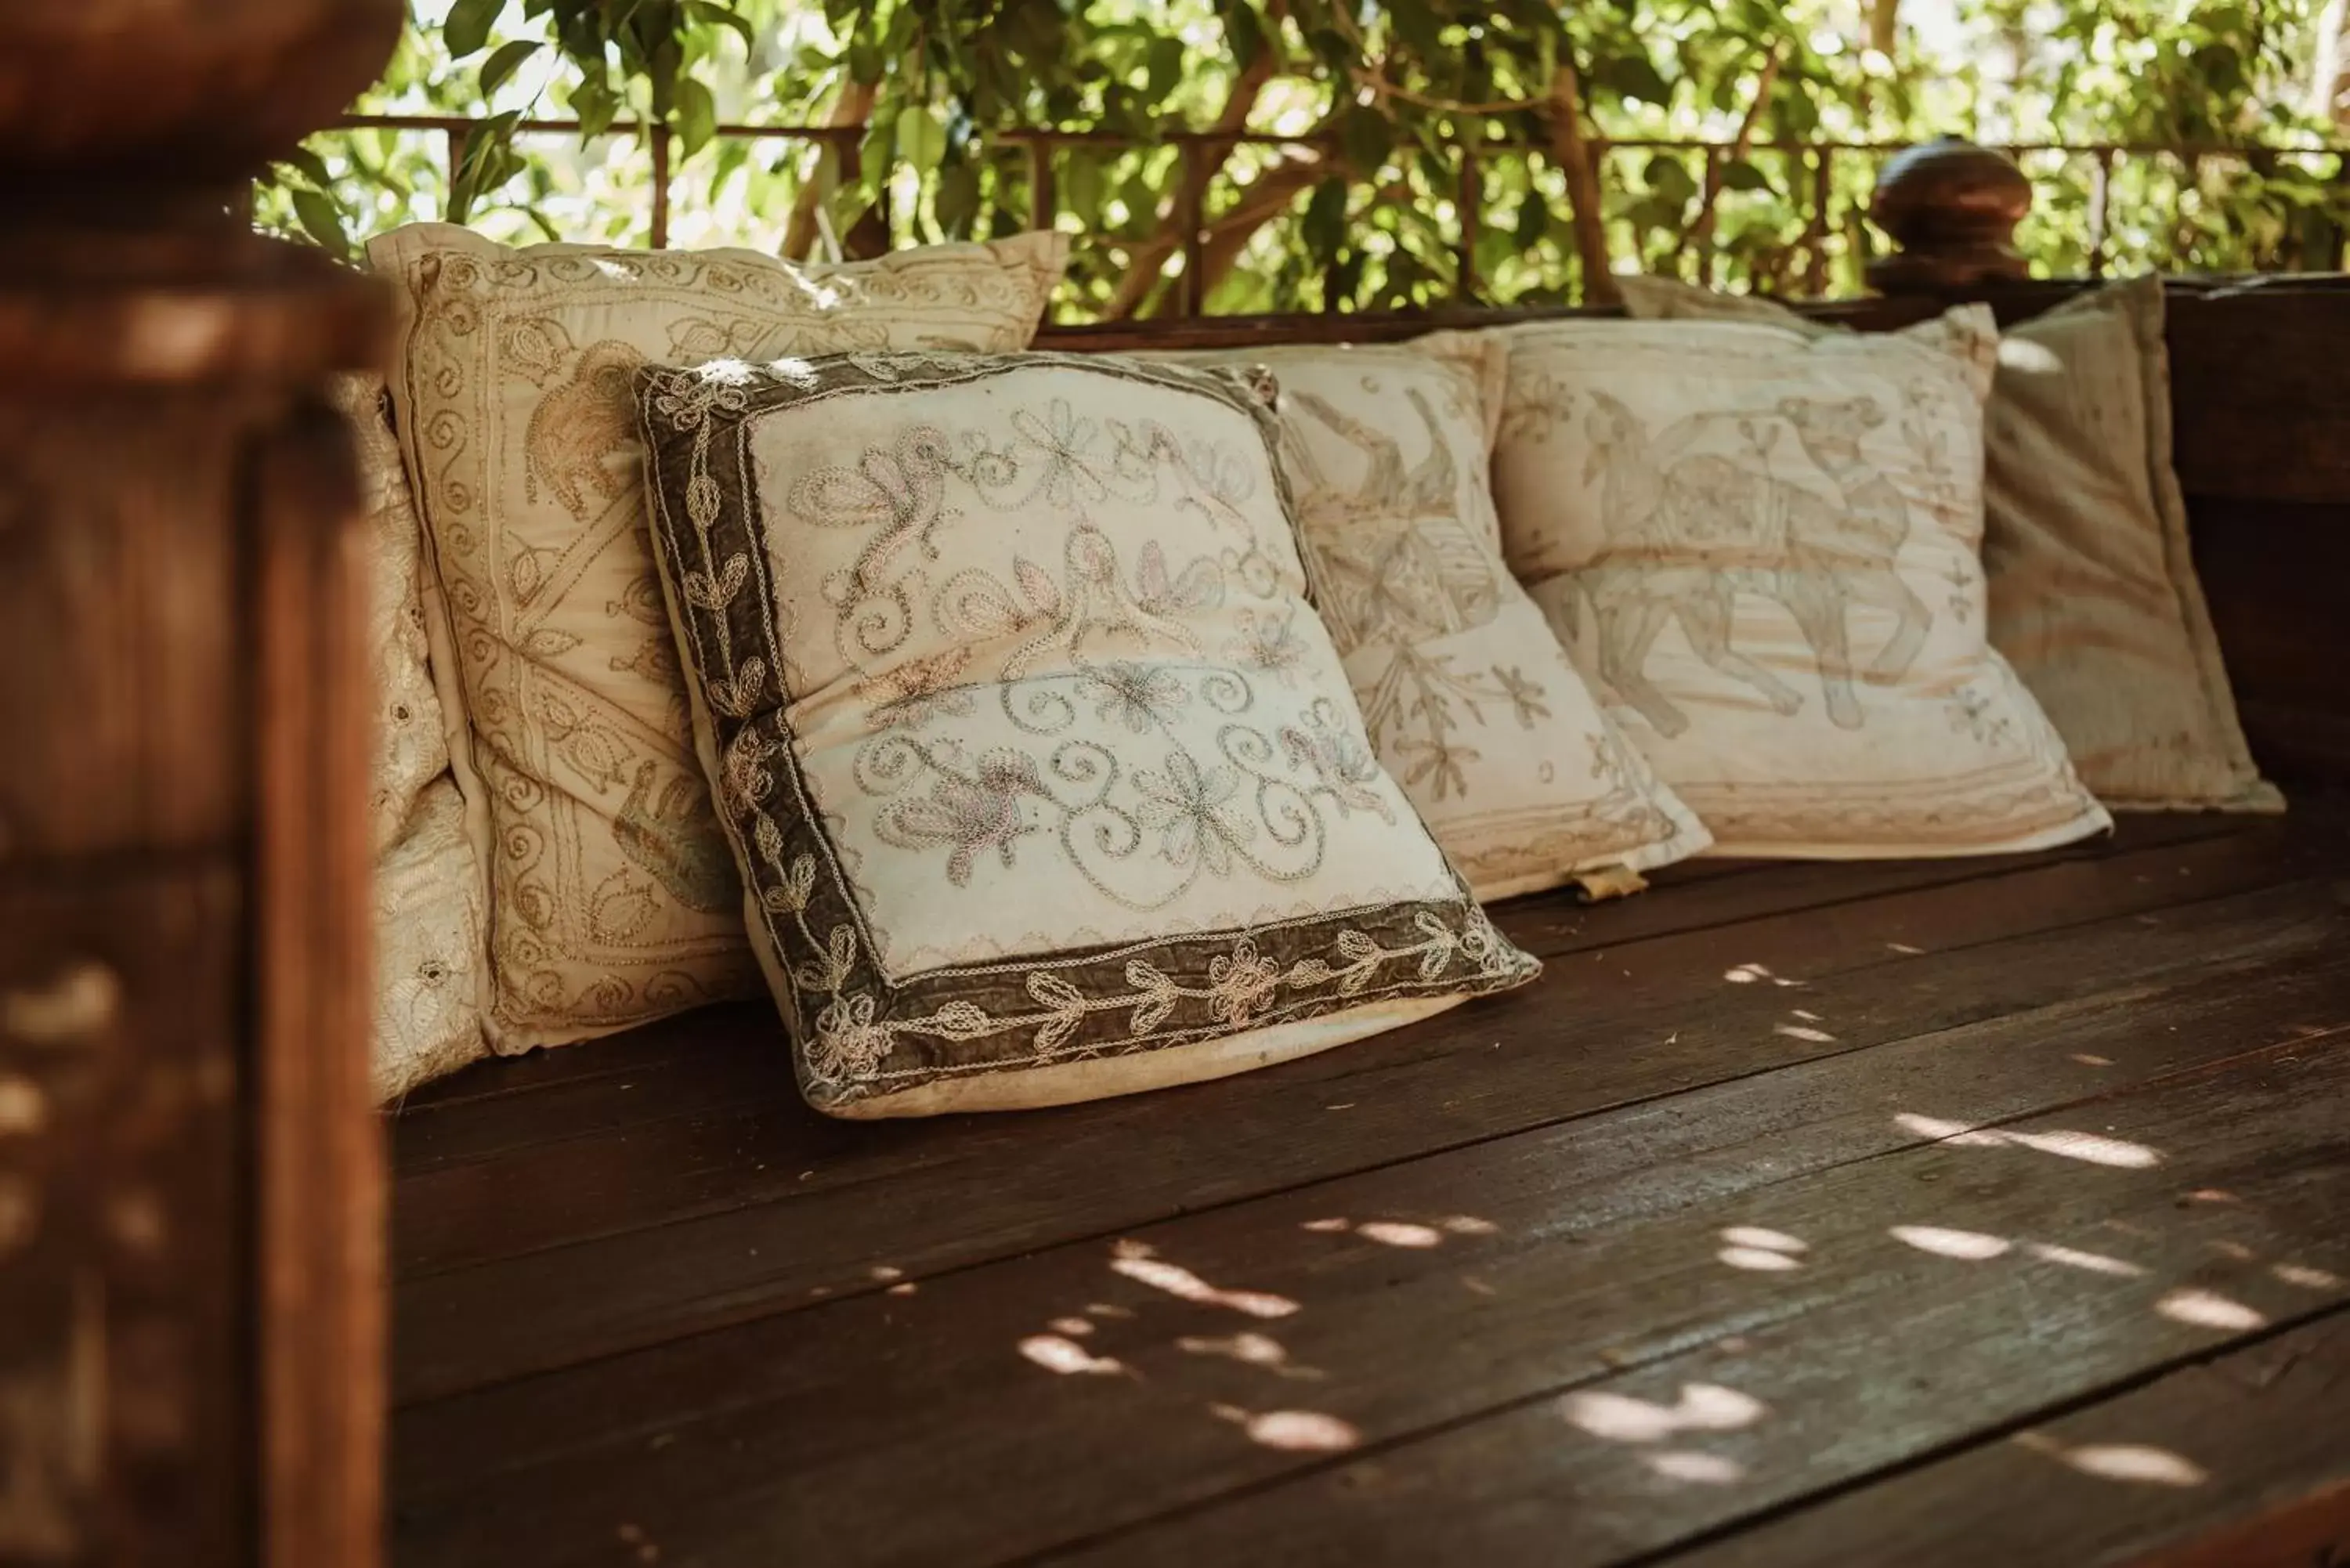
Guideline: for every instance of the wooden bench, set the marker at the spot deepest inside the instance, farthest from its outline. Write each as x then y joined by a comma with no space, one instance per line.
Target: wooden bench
1933,1212
1918,1213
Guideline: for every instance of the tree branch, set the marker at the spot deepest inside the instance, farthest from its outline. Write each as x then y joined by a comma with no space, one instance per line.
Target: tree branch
854,107
1148,259
1572,154
1699,235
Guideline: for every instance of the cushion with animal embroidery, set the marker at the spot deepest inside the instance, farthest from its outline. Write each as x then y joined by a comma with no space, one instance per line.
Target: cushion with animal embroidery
612,897
1043,778
2094,594
1764,547
1470,702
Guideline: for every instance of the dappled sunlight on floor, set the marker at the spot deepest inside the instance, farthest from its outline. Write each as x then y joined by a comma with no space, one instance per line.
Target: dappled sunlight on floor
1700,1468
2138,1463
2306,1278
1758,1251
2093,1148
1251,1350
1138,1262
1756,974
1407,1233
1068,1357
2074,1257
1295,1431
1702,1408
1973,1246
2208,1309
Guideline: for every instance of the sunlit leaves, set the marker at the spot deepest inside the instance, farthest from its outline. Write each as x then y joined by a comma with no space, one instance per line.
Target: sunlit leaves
467,30
1381,91
502,64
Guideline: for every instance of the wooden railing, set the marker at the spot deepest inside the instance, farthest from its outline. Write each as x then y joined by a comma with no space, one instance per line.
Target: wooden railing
1812,165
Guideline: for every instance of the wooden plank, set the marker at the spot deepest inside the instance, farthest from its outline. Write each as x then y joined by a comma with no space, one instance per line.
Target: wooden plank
2003,1302
2238,1462
2256,374
1456,1284
2266,569
739,1059
439,1207
734,1219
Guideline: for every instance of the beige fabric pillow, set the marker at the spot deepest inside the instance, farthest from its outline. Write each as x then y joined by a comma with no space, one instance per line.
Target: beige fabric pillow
2094,594
1472,704
428,957
613,900
1044,780
1765,544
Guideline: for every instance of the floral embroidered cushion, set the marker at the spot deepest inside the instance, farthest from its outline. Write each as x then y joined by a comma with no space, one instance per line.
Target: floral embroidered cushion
428,878
2094,594
1044,781
1471,702
612,897
1765,547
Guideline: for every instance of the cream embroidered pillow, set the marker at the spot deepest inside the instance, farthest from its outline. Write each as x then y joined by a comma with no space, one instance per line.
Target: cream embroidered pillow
428,879
2094,594
612,897
1044,780
1765,547
1471,702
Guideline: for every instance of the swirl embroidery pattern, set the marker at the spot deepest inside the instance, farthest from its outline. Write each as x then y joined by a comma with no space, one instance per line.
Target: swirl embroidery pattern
1129,731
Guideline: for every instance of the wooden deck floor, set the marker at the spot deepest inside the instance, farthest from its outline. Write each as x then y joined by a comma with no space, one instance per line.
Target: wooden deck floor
1918,1214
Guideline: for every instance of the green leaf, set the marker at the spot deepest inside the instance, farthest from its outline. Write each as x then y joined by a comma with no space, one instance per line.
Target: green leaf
1634,76
720,16
501,65
1365,137
1738,174
593,102
956,201
1166,67
1324,229
310,166
1417,26
921,139
1669,179
1534,220
1244,32
1083,188
468,26
321,220
696,116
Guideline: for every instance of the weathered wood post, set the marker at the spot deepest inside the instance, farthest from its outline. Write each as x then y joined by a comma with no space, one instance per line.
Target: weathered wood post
1952,208
189,1182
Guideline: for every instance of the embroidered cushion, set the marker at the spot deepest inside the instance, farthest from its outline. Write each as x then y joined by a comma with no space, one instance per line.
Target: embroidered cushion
428,878
1471,702
612,897
1765,546
1044,781
2094,594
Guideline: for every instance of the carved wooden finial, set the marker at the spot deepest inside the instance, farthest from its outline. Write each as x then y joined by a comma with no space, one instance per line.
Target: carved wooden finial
1952,208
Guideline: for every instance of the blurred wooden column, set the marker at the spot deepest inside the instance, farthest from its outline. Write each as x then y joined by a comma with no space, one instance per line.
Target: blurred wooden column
189,1180
1951,208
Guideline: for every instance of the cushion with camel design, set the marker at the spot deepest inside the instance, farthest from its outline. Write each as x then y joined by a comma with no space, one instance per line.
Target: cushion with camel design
1764,547
2094,594
613,899
429,959
1472,704
1044,779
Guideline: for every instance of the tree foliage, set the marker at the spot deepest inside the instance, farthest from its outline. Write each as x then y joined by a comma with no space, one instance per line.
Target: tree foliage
931,106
